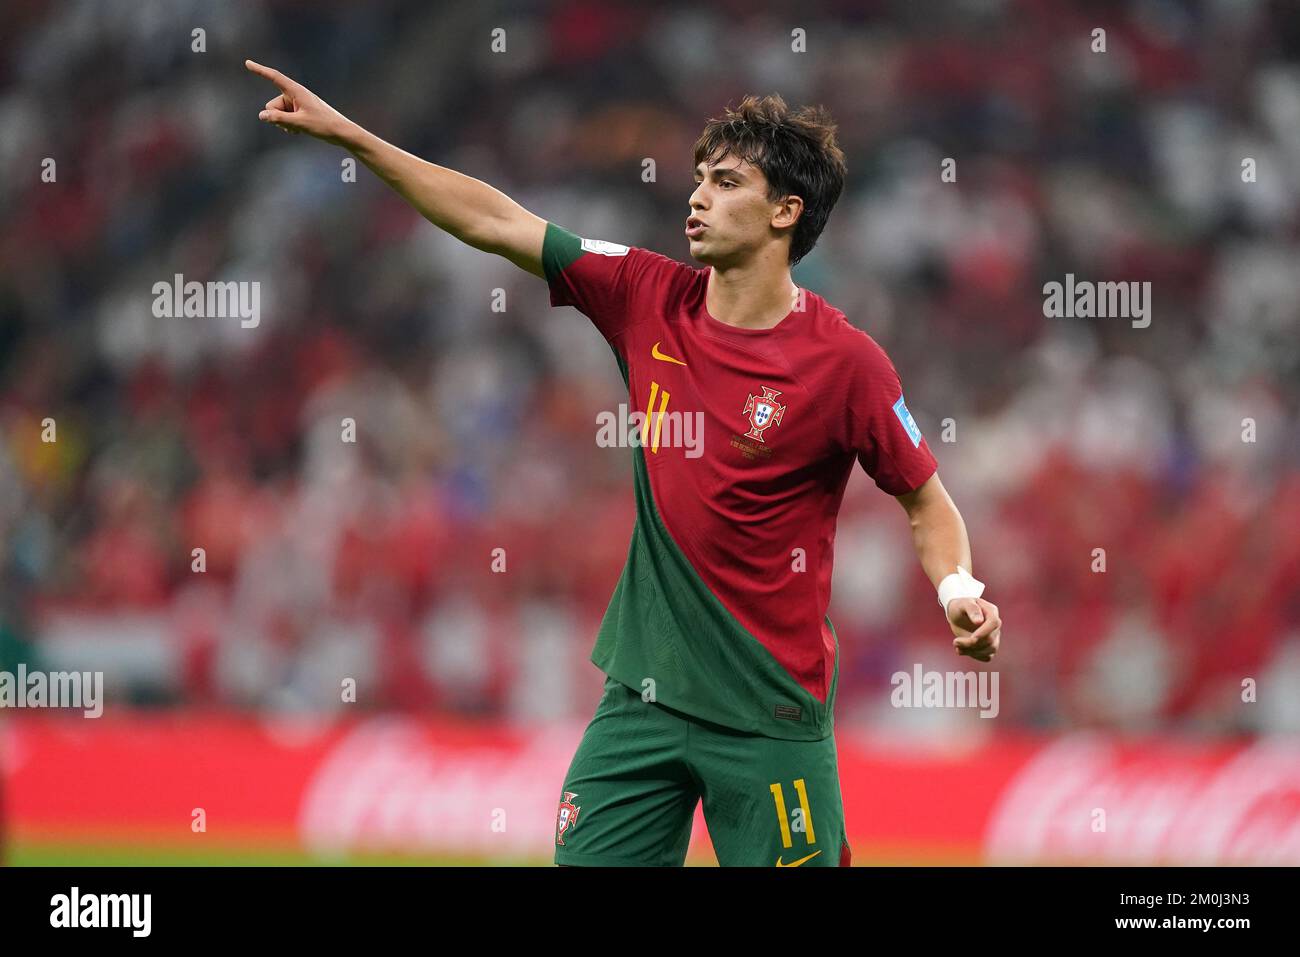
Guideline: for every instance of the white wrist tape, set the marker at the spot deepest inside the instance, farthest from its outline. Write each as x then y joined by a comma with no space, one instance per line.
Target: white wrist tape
960,584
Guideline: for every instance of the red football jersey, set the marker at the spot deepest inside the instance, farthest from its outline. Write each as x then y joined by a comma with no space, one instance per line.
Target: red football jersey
743,442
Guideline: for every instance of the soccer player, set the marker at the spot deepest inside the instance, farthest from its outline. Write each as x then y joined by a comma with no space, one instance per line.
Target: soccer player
721,662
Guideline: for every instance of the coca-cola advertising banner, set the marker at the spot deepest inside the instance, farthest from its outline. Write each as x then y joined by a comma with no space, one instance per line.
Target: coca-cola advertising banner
471,791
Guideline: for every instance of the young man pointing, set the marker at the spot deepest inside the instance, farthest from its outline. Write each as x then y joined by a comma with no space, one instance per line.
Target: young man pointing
721,661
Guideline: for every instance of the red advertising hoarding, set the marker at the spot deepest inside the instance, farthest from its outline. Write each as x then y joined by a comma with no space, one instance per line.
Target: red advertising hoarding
462,790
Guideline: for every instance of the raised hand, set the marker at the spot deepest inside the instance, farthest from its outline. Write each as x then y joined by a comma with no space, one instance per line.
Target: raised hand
299,110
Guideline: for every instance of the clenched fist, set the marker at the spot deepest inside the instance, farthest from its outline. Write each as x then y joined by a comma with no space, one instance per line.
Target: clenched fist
977,626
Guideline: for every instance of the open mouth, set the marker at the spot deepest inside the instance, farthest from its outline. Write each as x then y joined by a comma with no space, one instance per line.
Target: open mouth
694,227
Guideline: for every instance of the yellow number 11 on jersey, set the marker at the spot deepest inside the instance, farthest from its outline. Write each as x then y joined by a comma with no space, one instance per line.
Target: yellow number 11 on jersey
658,419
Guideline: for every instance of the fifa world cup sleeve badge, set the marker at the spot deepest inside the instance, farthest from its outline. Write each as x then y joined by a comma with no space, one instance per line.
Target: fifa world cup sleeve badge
567,817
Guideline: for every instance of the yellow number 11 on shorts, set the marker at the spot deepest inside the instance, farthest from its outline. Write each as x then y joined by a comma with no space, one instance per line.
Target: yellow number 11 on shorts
784,819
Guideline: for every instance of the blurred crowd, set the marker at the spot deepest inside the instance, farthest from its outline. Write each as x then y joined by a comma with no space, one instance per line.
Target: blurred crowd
1132,494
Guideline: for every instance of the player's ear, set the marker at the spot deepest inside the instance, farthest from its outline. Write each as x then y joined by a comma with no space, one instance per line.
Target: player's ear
787,212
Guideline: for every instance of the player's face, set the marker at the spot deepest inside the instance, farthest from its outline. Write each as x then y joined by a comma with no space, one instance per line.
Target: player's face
731,217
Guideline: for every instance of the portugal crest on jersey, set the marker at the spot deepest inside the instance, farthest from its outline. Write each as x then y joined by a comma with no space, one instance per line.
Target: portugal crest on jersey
567,816
763,412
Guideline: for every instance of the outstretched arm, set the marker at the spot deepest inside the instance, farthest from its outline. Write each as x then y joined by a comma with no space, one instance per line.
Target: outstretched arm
469,209
939,535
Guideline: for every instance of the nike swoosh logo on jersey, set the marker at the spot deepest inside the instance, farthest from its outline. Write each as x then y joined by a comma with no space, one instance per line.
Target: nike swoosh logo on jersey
655,353
798,862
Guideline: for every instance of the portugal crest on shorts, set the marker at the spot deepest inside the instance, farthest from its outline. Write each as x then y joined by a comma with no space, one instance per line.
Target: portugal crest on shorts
763,412
567,816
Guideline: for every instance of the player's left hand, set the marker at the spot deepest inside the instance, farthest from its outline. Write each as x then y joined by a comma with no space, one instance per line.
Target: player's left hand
977,627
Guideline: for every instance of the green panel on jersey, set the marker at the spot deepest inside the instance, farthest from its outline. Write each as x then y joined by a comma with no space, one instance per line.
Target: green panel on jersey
560,249
663,623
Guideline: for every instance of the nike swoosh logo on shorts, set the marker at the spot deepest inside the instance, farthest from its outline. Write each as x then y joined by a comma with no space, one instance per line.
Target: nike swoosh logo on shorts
798,862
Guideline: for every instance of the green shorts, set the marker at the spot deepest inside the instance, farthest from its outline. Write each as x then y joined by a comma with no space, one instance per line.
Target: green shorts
630,795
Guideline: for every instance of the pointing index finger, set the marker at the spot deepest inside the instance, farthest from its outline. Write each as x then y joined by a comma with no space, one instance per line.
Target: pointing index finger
275,76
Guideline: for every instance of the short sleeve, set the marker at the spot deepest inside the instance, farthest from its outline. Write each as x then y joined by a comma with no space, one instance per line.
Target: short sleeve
882,432
609,283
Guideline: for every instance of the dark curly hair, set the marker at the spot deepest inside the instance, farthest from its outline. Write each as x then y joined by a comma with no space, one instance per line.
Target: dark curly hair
796,151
